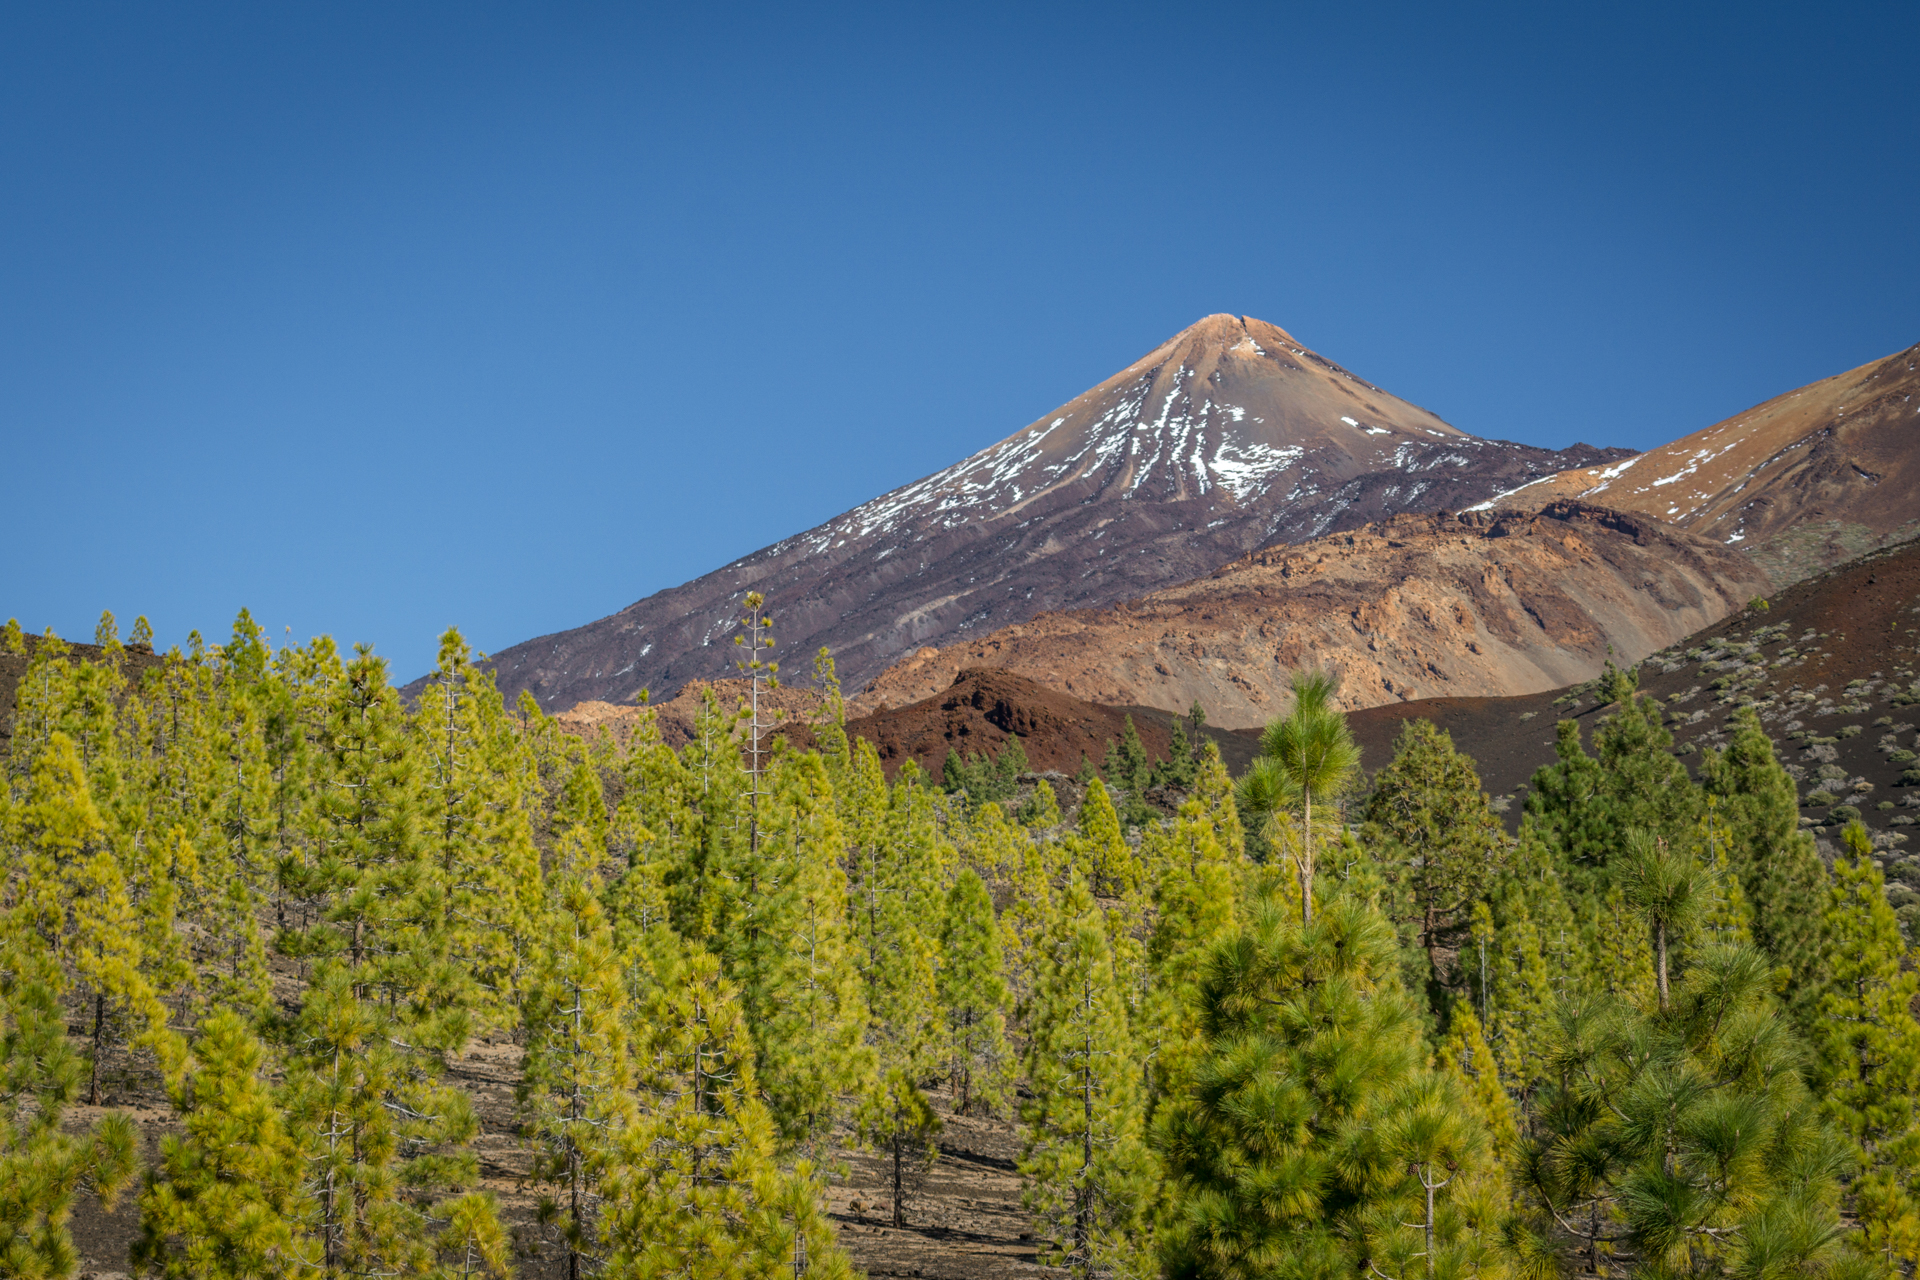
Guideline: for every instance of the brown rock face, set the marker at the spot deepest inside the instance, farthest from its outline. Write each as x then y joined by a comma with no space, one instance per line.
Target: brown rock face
1480,604
1801,483
1229,437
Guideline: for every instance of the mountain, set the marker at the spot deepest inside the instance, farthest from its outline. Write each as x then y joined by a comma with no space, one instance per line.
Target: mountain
1480,603
1805,481
1227,438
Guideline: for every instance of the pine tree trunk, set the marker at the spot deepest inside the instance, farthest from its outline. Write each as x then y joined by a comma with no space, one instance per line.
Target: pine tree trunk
1083,1193
1427,1182
1660,953
1306,856
99,1036
899,1217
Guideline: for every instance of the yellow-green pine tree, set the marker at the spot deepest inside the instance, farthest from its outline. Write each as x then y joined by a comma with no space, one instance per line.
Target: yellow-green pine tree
1090,1176
577,1075
1869,1053
974,995
228,1199
695,1191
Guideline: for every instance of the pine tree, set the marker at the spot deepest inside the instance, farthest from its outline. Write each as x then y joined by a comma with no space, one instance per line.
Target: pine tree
1779,870
1685,1141
1447,1217
1130,771
1429,823
228,1196
1313,1129
577,1073
1308,754
1197,901
1670,891
1583,806
477,829
386,1004
1090,1175
974,996
42,1166
1041,809
1466,1054
793,958
1111,868
68,890
1523,955
1869,1053
896,886
694,1190
1182,765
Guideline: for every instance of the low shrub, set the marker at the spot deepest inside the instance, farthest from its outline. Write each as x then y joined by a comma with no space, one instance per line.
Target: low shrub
1844,813
1849,731
1820,799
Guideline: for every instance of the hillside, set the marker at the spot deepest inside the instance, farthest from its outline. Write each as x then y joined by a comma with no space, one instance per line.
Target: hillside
1481,604
1229,437
1831,663
1806,481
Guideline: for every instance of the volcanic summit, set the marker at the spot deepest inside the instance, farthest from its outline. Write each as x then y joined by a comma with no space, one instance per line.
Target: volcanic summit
1227,438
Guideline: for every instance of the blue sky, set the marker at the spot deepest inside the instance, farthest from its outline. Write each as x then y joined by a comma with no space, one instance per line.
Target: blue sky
376,318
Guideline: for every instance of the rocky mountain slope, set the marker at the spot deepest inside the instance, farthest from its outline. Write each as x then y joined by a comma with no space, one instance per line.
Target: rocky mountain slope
1803,482
1229,437
1483,604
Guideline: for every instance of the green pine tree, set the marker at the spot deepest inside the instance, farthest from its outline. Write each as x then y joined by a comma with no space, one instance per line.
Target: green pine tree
42,1166
1314,1140
577,1073
1685,1141
1090,1176
974,995
228,1198
1869,1053
694,1189
1111,868
1438,842
1308,755
1781,875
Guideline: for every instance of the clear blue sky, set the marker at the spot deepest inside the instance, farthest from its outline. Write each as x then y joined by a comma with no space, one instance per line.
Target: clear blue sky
380,317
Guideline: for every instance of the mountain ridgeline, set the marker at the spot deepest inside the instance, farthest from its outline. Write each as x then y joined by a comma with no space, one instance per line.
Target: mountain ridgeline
1229,437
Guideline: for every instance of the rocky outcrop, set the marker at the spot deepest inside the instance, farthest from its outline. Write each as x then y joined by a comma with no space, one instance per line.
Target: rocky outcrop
1481,604
981,709
1229,437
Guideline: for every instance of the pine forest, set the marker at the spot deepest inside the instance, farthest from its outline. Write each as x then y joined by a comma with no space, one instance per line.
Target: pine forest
1314,1025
